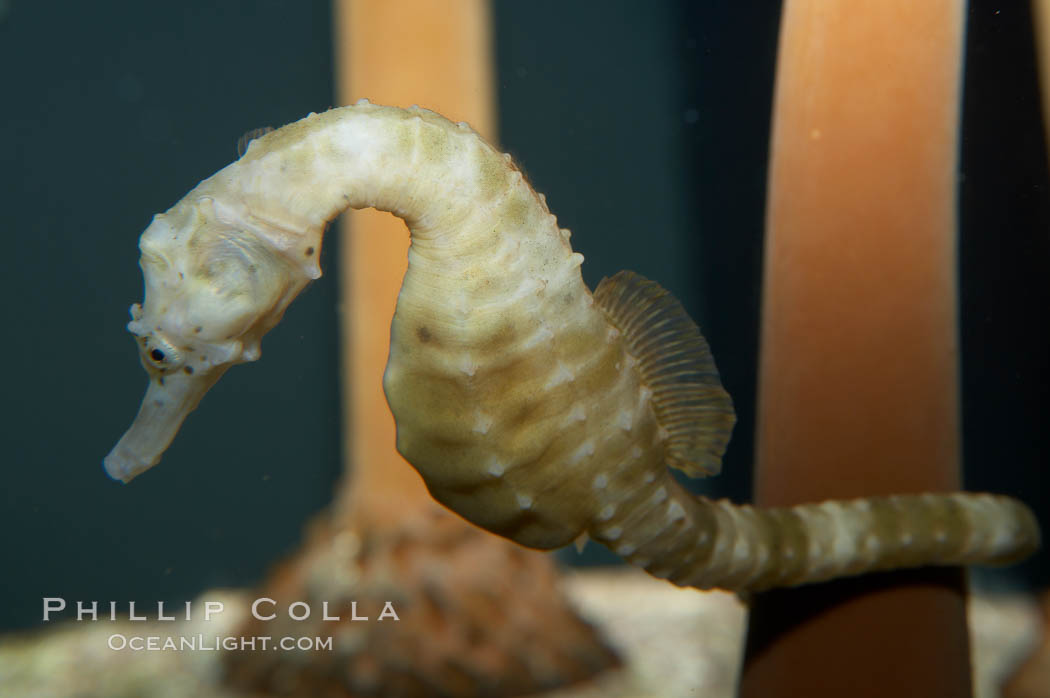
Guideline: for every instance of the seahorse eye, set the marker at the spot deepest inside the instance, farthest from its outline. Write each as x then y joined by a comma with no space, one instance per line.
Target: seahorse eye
161,354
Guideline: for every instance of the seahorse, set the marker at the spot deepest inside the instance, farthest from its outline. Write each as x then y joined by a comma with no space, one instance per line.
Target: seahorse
530,406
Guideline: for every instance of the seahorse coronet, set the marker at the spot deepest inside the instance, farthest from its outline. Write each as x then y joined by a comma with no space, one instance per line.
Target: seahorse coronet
529,406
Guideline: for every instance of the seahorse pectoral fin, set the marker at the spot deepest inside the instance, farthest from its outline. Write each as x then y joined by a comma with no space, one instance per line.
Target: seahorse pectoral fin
675,363
169,398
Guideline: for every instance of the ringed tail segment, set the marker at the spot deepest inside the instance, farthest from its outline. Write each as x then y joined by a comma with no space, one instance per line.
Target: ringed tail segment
718,544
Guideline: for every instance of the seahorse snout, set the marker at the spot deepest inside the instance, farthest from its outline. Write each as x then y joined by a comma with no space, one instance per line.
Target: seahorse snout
169,398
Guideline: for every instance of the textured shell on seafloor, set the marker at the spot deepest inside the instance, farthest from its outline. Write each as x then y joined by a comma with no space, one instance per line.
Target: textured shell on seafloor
476,616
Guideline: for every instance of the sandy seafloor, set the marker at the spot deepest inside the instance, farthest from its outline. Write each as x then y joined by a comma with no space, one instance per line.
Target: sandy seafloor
675,642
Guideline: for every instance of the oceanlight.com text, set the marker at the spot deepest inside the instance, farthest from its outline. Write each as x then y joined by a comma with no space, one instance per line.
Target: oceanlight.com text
214,643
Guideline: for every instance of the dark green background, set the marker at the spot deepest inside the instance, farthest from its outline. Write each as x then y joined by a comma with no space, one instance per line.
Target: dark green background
645,124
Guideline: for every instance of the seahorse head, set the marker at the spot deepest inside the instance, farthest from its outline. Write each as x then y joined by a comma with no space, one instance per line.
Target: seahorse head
213,287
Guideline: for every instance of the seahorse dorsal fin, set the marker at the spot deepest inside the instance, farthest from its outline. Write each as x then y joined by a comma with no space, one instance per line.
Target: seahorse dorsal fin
248,137
676,365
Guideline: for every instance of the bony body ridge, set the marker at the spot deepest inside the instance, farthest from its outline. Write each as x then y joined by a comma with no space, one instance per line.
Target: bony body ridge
530,406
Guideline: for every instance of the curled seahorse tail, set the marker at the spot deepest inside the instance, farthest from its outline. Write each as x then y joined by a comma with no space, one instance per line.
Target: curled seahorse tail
747,548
